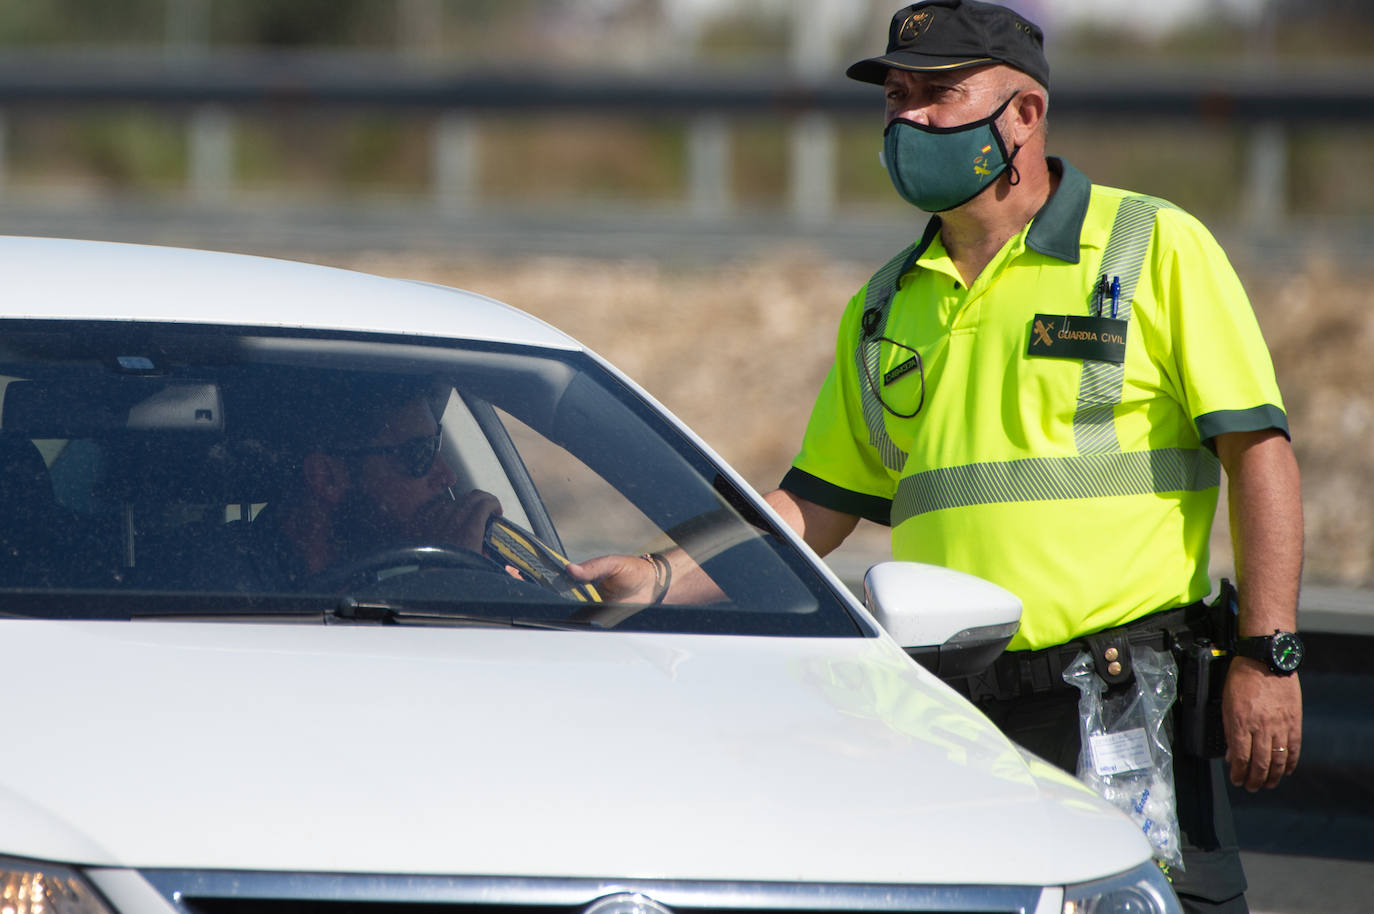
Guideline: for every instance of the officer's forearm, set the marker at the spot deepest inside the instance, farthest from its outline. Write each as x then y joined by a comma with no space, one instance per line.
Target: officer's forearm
822,528
1265,502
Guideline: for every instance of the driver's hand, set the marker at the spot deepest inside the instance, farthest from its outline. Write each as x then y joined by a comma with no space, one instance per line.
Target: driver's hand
460,523
618,578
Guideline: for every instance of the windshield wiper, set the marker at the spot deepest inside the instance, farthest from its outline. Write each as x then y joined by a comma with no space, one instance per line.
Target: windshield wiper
347,610
382,612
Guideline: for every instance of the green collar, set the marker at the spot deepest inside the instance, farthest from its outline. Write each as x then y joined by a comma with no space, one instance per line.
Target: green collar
1057,228
1055,231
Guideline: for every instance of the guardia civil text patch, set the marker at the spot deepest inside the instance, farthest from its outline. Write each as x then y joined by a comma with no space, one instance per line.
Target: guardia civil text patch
1064,336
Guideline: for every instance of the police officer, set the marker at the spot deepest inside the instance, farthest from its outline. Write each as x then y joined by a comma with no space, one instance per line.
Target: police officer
1042,390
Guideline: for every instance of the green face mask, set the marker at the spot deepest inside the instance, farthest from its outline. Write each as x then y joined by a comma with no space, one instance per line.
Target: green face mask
939,168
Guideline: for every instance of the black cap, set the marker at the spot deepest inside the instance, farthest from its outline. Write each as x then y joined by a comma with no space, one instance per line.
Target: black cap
953,34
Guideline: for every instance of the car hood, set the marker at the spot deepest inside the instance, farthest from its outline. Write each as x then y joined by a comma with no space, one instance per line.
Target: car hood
506,752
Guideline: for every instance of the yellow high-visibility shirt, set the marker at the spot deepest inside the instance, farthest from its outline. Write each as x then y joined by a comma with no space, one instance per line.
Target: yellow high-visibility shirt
1061,445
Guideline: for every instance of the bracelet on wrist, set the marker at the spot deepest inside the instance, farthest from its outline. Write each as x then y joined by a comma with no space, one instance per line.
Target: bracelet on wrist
663,575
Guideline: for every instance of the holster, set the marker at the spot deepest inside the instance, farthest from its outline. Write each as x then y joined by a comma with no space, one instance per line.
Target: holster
1203,654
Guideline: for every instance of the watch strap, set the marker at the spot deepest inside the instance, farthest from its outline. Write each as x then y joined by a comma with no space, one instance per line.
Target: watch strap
1261,648
1256,647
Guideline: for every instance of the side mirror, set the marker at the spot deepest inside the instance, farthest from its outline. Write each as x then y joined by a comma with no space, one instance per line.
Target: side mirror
952,623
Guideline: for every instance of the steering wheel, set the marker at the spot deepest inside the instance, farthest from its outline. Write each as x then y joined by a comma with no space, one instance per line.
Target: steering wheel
511,545
505,546
364,571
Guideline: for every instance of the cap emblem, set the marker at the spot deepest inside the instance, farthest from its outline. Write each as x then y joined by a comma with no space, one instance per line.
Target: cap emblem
914,27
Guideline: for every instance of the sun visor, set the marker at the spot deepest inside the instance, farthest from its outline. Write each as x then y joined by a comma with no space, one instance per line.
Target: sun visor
70,408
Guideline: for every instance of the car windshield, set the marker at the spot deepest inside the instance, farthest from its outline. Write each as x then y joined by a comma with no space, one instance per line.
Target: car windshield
184,471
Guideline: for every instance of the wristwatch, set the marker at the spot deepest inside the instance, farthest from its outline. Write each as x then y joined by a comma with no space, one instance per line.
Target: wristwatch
1282,651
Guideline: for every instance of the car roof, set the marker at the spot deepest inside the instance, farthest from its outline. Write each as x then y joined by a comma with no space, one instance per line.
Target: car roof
102,280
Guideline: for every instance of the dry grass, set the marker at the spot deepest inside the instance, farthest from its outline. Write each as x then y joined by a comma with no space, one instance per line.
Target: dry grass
738,350
1320,328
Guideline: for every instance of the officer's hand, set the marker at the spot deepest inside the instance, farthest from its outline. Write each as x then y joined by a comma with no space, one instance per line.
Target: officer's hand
618,578
1262,714
458,523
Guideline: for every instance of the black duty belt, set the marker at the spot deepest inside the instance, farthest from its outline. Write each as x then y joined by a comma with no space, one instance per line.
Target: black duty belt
1019,673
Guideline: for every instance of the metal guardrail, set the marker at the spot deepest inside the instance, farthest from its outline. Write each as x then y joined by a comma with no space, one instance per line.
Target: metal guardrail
1245,94
208,90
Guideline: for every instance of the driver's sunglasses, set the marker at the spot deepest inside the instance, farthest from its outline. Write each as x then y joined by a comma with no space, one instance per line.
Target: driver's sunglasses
415,455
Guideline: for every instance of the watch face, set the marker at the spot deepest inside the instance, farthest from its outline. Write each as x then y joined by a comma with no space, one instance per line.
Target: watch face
1286,652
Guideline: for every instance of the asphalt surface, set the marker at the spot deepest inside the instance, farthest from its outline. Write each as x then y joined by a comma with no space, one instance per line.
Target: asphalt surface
265,226
1282,884
263,223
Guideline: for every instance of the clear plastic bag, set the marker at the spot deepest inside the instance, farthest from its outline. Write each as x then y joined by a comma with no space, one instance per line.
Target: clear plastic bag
1126,755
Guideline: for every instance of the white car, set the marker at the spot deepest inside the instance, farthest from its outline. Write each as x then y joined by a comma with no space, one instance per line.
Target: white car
200,720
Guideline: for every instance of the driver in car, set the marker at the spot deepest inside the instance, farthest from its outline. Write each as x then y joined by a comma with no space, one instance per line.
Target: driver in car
365,476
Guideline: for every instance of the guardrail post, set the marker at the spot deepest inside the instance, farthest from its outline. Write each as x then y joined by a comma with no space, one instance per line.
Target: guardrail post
1266,172
211,153
455,163
812,177
708,167
815,52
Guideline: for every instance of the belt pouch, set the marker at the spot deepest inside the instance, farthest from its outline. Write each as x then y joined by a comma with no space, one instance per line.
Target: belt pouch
1111,653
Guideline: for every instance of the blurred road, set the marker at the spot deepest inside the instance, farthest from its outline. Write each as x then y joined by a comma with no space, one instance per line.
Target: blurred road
260,223
258,226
